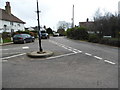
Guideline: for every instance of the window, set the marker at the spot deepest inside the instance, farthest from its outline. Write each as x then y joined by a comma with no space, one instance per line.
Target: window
19,25
5,26
11,23
12,30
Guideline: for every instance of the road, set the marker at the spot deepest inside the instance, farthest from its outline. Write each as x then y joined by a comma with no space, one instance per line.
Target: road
75,64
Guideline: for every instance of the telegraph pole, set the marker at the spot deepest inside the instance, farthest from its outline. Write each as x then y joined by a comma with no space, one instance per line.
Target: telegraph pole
73,17
39,32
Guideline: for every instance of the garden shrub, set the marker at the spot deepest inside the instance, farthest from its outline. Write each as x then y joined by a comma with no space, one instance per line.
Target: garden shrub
110,41
78,33
93,38
32,33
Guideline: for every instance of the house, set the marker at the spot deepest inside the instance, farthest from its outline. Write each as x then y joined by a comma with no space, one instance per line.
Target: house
8,21
86,24
89,25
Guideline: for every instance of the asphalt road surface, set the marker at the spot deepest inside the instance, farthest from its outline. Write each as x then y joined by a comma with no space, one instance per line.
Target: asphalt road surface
75,64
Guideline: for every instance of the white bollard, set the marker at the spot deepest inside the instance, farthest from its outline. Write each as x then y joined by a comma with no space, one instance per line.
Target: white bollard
1,40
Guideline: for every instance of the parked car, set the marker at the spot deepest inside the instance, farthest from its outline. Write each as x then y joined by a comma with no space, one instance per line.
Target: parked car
55,34
44,34
23,38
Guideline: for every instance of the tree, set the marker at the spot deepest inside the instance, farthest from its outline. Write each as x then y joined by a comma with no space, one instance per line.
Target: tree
63,25
49,30
106,24
61,32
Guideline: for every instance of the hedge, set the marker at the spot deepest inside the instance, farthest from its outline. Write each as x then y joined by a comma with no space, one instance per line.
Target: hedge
79,33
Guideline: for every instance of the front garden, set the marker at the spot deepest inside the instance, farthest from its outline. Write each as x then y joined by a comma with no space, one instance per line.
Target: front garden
80,33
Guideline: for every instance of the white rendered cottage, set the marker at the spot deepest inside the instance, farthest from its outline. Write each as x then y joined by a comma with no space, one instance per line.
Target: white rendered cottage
9,22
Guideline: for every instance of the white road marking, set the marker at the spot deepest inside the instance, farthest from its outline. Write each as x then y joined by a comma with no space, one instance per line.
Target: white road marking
61,56
70,49
75,51
13,56
109,62
25,47
12,53
66,47
79,51
88,54
98,57
4,60
3,49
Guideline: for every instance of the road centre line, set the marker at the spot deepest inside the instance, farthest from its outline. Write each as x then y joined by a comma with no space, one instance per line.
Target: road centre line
109,62
78,51
98,57
88,54
66,47
13,56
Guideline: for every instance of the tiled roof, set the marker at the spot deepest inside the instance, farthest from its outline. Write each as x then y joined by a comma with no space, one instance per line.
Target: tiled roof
9,17
86,22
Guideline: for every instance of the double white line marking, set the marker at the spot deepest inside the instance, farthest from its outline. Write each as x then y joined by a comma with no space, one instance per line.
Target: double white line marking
77,51
66,47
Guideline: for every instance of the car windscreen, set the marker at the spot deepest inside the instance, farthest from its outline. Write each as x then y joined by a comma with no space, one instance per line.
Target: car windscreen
17,36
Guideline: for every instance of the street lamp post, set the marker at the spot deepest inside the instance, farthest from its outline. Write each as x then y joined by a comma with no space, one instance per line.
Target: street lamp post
39,32
73,17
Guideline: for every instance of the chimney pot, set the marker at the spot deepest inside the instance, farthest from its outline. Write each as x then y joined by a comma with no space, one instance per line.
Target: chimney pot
87,19
8,8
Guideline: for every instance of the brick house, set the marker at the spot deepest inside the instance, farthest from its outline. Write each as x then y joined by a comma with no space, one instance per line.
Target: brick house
88,24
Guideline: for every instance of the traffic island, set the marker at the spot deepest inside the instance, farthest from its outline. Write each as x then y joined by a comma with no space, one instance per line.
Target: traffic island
36,54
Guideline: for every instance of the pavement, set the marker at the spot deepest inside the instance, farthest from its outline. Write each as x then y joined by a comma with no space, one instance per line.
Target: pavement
5,43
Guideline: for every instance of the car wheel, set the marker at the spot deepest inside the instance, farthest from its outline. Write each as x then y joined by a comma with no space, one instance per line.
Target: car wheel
14,42
24,41
33,40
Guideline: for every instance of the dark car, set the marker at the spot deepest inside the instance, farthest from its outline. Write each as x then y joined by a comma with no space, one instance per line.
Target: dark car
23,38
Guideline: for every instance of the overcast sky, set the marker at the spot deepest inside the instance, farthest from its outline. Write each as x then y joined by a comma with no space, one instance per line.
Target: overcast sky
53,11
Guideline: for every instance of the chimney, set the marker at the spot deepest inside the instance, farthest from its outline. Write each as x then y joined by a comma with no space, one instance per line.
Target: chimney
8,8
87,20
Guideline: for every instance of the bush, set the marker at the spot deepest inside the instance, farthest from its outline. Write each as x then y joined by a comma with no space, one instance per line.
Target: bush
6,35
114,42
78,33
110,41
32,33
6,40
93,38
104,41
